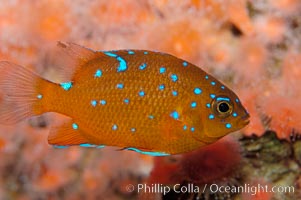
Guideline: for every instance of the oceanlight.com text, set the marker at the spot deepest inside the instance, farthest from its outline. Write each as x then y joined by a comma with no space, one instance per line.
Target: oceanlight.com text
212,188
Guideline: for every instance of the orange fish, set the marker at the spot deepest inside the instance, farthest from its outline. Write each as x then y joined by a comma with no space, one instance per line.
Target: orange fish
149,102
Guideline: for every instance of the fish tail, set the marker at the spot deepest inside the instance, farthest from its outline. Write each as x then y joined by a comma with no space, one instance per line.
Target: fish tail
20,93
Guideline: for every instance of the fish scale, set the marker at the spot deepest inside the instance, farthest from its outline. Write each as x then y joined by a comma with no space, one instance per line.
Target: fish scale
149,102
141,83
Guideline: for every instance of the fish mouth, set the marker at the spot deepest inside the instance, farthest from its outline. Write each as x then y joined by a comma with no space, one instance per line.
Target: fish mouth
245,119
246,122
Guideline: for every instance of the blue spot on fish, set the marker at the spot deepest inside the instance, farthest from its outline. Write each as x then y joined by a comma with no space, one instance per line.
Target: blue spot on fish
185,64
174,93
162,70
208,105
211,116
184,127
133,129
39,96
234,114
236,100
174,77
206,77
98,73
91,145
66,86
212,96
74,126
120,86
60,146
131,52
126,101
223,99
228,125
151,116
122,65
145,52
197,91
223,87
192,129
87,145
143,66
175,115
93,103
141,93
193,104
150,153
161,87
110,54
103,102
114,127
213,83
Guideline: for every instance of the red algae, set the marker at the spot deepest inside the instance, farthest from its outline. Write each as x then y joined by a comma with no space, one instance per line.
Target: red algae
54,21
291,69
210,164
230,11
52,180
288,121
252,101
275,106
91,182
286,6
215,163
271,28
238,15
178,41
126,13
253,55
165,171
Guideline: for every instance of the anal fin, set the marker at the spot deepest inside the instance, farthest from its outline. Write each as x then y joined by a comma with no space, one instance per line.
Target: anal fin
92,145
66,134
150,153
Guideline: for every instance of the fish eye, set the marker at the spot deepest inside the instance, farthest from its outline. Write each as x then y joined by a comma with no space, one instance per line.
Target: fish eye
222,106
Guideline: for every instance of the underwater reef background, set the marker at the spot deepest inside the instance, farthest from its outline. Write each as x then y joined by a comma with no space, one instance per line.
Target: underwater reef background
253,46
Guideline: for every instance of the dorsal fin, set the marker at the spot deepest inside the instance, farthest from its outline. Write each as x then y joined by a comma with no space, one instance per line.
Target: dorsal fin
76,57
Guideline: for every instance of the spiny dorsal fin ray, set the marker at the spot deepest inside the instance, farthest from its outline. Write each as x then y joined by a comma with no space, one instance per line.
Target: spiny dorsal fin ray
76,57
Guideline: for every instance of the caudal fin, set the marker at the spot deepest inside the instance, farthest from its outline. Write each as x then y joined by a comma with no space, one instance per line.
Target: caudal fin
19,93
